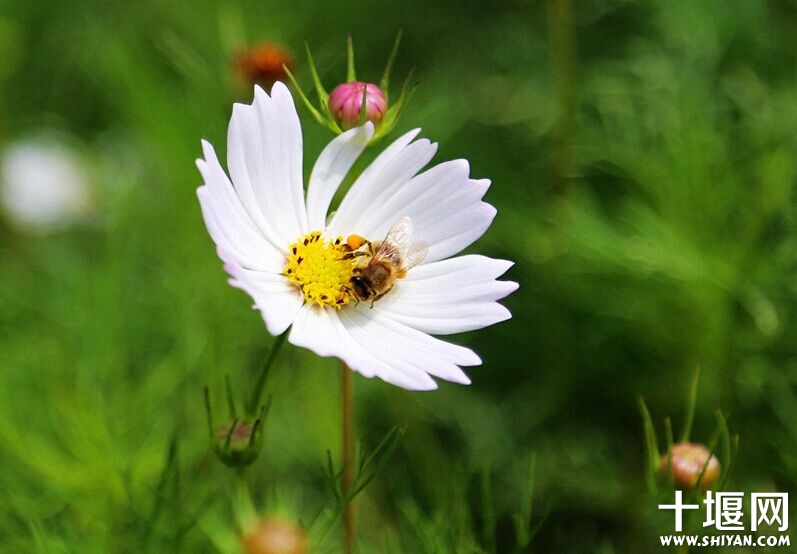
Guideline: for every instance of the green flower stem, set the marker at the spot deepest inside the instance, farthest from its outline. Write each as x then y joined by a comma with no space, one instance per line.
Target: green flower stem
257,390
347,481
562,37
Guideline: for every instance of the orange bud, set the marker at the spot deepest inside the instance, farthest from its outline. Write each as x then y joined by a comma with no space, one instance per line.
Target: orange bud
263,64
275,536
687,462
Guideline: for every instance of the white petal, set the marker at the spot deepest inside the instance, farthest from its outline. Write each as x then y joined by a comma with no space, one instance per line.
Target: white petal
404,349
331,168
264,151
447,236
384,177
445,207
450,296
277,300
322,332
229,224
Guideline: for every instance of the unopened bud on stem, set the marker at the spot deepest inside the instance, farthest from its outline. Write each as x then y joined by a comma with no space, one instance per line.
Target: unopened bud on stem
238,443
346,103
687,461
275,536
354,102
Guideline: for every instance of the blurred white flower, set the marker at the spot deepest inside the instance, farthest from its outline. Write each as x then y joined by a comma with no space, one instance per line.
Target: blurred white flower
43,185
279,245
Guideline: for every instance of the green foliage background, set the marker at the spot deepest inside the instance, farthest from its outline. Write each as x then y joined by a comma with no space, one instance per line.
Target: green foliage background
649,205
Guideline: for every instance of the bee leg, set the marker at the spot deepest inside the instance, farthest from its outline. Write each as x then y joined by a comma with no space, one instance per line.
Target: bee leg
354,254
378,296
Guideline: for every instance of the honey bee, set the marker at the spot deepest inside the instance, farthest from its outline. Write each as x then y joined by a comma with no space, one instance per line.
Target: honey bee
388,260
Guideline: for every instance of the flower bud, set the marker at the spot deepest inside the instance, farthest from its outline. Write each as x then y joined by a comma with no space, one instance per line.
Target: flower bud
346,102
275,536
237,444
263,64
343,109
687,461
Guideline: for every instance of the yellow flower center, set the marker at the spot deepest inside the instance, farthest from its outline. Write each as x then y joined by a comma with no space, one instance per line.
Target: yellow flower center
320,269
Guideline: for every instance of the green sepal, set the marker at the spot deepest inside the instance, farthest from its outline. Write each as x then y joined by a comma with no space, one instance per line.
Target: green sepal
330,122
363,105
351,75
323,96
309,105
394,112
385,81
697,490
727,448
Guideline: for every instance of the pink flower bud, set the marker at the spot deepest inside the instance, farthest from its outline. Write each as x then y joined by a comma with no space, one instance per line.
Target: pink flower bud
238,444
346,101
688,460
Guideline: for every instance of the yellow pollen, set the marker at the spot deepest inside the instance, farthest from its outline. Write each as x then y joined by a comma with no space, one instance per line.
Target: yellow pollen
320,269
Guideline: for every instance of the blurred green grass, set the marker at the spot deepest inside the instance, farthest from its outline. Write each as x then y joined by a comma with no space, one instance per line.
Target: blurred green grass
673,246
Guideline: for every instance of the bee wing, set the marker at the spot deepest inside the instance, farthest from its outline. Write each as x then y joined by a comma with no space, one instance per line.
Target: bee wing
397,243
415,256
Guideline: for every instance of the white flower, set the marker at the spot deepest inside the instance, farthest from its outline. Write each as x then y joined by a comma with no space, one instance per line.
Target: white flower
43,185
278,246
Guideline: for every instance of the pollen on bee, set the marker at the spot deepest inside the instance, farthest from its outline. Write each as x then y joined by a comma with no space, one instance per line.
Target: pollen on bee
355,241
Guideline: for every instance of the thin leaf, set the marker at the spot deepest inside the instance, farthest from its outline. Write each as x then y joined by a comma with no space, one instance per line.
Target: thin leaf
333,478
670,443
209,413
651,448
170,470
382,454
